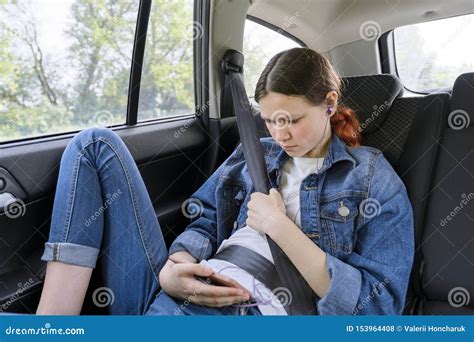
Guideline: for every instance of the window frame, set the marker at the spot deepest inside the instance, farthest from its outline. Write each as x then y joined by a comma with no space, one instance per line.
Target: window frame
388,59
388,56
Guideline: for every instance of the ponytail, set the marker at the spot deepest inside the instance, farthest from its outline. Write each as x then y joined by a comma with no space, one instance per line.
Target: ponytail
346,126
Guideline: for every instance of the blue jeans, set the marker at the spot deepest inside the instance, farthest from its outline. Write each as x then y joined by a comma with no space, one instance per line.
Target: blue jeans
103,213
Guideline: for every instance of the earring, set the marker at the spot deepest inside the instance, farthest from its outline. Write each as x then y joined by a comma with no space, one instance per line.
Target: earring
329,111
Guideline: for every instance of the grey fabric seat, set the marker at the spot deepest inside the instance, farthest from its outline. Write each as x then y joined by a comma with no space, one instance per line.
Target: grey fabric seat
447,245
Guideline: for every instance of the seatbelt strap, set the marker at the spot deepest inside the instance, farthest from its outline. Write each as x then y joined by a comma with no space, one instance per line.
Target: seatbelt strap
303,302
255,264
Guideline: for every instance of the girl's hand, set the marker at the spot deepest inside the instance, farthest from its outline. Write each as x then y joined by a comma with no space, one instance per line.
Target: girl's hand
265,211
179,280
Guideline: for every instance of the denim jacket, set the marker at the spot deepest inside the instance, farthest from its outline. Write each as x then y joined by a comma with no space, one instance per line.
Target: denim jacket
356,209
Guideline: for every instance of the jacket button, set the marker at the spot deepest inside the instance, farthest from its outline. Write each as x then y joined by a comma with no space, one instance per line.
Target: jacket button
343,210
235,224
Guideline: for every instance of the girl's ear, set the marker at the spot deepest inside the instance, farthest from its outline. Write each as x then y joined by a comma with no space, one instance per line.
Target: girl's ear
331,99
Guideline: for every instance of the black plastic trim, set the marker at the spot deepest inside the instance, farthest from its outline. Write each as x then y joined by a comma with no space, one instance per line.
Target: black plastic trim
66,135
276,29
385,43
202,10
137,61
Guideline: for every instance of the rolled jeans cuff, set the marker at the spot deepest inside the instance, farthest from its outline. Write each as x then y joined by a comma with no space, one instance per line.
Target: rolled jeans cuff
70,253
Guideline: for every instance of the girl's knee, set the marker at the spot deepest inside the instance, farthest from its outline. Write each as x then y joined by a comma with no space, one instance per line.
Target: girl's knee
91,135
96,133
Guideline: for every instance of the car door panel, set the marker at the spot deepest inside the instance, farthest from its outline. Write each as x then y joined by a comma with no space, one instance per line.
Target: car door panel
170,167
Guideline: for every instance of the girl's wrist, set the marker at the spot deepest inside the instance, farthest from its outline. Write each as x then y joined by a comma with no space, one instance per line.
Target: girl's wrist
281,223
182,257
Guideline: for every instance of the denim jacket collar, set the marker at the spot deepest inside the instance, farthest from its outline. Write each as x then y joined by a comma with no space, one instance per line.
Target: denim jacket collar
337,151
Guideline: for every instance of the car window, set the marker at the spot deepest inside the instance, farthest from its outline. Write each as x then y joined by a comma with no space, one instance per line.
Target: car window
431,55
64,65
260,45
167,85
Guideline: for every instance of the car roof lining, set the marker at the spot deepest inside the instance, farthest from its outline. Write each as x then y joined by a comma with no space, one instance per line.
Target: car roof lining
325,24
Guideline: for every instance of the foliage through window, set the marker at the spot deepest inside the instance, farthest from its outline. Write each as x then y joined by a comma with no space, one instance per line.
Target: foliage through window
431,55
260,45
167,85
64,65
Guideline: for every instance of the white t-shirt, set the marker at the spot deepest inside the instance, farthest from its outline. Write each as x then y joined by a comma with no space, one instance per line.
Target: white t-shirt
294,172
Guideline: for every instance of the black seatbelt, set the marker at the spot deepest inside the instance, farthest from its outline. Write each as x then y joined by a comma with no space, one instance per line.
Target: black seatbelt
303,297
254,264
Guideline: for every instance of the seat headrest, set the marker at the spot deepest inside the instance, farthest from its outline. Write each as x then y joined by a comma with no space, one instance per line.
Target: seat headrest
462,102
370,97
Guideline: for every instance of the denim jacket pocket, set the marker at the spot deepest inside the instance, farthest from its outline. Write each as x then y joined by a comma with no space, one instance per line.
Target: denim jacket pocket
338,224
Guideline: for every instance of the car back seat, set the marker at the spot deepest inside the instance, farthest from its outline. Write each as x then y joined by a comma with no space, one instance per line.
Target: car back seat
447,244
372,97
416,169
422,139
406,130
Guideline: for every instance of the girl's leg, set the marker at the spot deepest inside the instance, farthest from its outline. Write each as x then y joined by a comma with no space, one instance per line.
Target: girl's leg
102,211
60,297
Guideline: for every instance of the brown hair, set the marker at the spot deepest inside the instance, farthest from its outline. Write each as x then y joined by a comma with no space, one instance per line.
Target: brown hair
305,72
